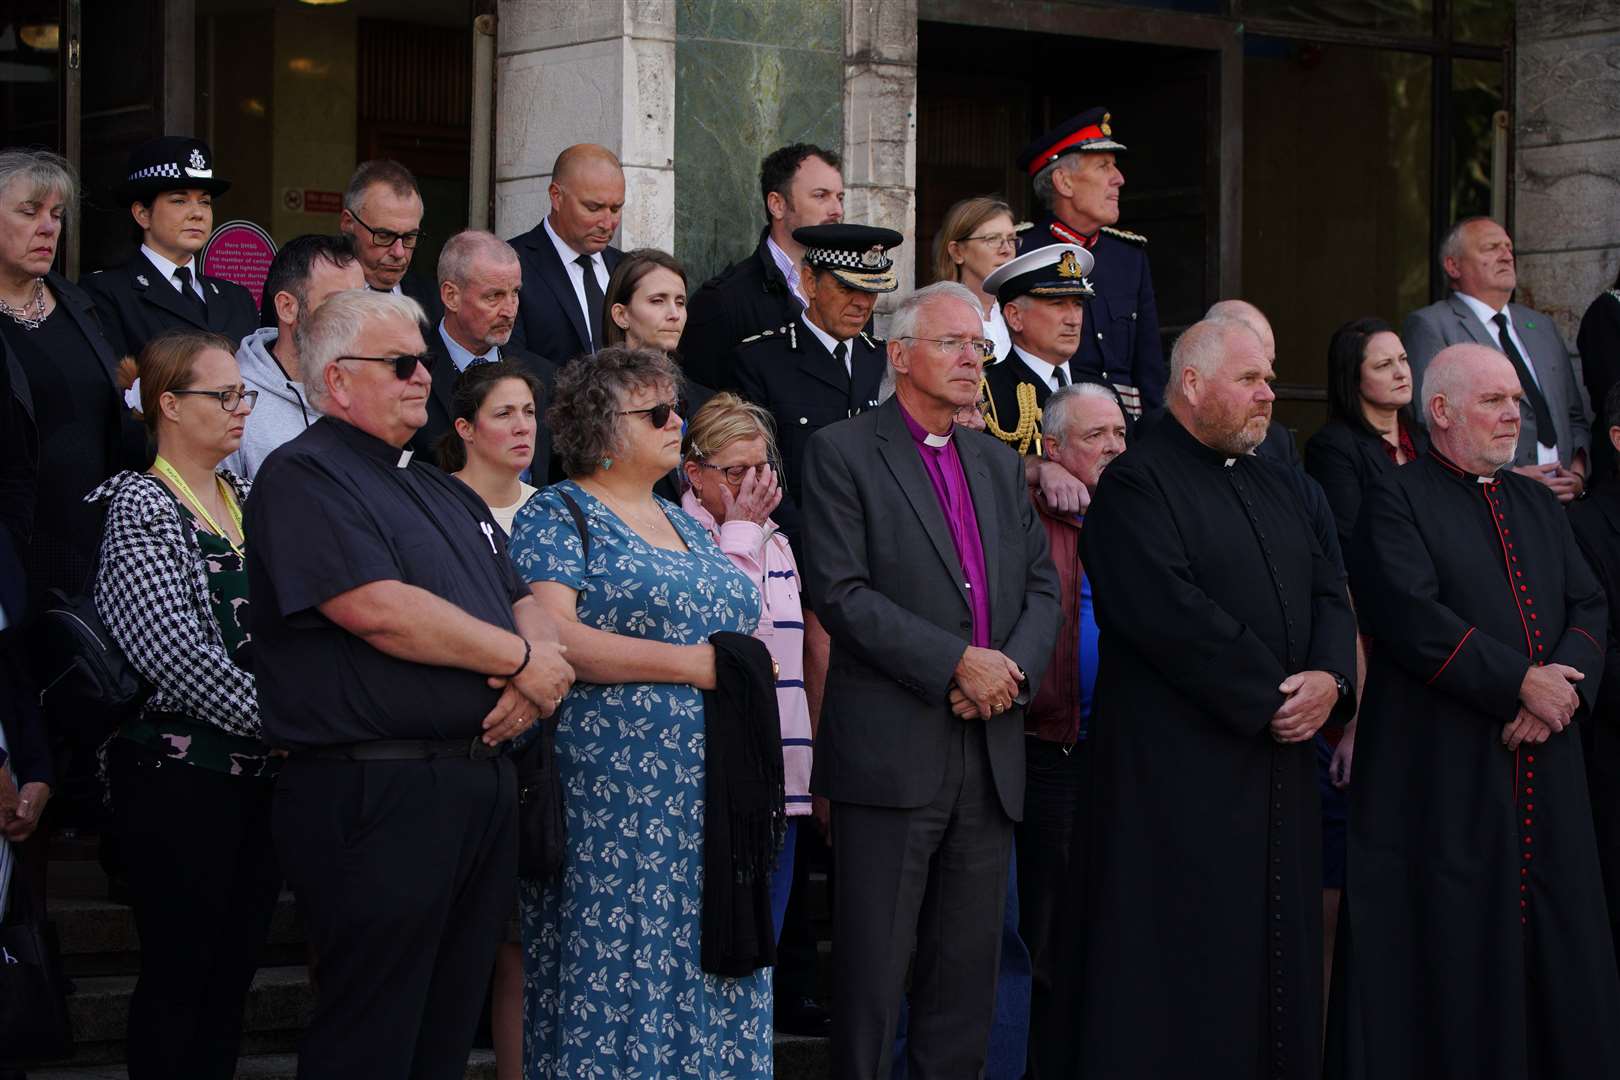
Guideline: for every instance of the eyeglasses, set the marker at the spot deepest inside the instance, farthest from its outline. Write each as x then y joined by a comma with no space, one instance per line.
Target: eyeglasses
385,238
996,240
228,399
956,346
657,415
404,366
736,474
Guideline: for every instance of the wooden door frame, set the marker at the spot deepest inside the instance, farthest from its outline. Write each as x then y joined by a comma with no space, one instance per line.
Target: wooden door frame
1224,37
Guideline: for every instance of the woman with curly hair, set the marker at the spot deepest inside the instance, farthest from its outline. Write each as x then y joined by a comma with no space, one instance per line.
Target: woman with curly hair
612,967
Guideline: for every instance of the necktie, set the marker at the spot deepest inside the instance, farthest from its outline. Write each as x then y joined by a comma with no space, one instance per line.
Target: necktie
1059,379
1532,392
182,274
593,302
841,353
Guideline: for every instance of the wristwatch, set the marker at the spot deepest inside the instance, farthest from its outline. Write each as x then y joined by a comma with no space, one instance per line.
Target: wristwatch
1342,683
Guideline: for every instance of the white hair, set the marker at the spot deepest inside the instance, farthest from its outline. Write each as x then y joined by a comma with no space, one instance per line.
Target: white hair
459,253
1045,189
1055,414
41,173
1202,347
336,327
1451,246
908,313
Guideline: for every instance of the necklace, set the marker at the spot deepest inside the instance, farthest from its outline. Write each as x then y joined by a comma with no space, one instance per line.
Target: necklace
21,315
652,525
170,473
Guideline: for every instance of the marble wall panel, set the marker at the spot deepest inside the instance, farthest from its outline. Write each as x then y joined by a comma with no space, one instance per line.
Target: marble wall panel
1568,89
883,31
527,25
649,209
649,104
1538,19
1568,196
1563,283
520,204
550,99
749,78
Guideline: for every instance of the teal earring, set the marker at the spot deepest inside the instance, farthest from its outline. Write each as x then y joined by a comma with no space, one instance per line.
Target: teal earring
607,463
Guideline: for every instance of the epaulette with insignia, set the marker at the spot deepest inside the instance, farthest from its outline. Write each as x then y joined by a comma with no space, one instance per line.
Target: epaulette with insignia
871,342
762,335
1129,237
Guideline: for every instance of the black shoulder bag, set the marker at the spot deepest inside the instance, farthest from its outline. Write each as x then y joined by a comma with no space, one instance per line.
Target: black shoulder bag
80,661
542,830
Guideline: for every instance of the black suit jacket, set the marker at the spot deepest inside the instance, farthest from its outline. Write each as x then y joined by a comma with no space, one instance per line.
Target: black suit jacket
550,321
744,299
1598,343
805,388
126,440
441,403
1347,461
425,291
136,303
884,577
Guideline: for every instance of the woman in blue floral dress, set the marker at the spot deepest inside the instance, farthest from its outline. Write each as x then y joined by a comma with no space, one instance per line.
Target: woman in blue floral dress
612,983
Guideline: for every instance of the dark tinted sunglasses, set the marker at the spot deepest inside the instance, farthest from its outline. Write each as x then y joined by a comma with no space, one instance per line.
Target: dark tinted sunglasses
657,415
404,366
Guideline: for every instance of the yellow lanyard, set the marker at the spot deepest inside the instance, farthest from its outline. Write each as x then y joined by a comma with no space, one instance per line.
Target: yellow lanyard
173,476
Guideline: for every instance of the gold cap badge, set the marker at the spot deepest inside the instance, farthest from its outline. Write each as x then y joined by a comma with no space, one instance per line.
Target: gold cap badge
1069,266
1106,130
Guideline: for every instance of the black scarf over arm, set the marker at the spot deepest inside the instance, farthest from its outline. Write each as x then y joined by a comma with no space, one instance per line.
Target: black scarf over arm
745,817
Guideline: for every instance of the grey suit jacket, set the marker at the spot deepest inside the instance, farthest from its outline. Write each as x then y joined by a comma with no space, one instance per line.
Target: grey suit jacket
1451,322
883,576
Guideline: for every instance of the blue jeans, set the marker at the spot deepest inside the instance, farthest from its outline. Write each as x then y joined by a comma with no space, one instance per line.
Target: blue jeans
782,878
1009,1032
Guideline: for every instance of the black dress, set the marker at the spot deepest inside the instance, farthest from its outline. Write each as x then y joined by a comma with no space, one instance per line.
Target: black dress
1202,949
1473,940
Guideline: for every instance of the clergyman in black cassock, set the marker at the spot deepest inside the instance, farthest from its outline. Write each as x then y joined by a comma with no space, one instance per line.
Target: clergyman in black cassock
1202,946
1473,941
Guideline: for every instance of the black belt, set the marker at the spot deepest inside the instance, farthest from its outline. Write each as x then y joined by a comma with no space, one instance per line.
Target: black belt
403,750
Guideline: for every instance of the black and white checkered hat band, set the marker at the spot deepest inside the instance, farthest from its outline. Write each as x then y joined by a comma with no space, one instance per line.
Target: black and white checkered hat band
842,259
170,171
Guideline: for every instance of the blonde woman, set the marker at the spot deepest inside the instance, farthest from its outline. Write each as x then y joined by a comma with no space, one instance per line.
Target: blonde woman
978,236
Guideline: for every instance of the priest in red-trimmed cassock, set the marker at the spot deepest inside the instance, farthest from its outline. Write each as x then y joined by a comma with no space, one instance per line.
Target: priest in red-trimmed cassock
1474,941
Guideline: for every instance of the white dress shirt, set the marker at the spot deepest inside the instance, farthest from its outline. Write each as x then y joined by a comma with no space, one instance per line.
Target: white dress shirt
167,269
1044,370
789,268
576,272
831,344
1545,455
995,331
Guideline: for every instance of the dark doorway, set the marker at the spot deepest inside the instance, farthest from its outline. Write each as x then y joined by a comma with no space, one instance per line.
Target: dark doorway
982,93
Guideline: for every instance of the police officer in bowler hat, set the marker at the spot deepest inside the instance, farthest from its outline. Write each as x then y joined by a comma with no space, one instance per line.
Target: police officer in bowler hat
169,188
822,366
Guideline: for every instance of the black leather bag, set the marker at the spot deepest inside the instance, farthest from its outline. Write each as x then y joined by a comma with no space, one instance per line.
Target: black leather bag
542,830
79,658
34,1022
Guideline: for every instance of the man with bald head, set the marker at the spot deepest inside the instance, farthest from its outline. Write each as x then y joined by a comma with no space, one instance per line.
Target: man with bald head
1227,641
1478,941
568,257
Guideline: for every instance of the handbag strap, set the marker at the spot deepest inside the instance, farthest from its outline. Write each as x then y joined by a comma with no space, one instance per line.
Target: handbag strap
579,523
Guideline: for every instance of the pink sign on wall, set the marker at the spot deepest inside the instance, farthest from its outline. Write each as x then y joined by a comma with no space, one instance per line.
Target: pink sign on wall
240,251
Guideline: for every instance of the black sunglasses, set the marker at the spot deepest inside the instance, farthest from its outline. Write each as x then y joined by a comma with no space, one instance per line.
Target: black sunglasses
657,415
404,366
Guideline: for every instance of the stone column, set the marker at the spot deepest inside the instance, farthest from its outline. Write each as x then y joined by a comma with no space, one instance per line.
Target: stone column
880,124
572,71
1567,164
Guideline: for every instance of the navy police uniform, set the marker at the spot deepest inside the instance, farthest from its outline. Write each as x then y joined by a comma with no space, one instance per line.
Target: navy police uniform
137,301
804,385
1120,342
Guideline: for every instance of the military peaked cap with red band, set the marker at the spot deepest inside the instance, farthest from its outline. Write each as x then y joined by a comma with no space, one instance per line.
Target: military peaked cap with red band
1087,132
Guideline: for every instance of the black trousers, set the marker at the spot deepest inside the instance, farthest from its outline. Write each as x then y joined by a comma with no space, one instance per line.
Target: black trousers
405,873
933,876
203,881
1051,860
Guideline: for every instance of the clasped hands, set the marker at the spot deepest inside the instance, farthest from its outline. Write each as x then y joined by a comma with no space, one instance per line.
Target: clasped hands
534,692
1547,704
20,808
1308,700
984,684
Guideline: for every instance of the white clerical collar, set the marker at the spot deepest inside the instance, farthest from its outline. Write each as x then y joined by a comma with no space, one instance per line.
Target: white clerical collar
829,342
167,268
1042,368
937,441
